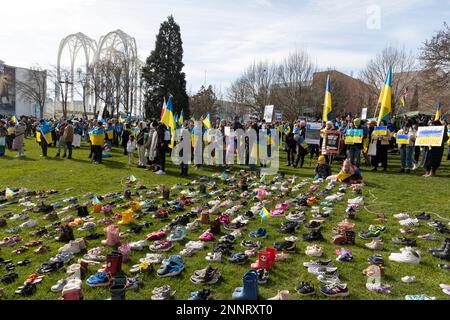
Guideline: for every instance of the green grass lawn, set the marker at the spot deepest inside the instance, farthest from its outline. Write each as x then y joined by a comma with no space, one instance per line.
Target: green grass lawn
388,193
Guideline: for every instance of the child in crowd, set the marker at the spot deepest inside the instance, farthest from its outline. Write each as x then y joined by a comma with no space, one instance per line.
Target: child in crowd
131,146
349,174
323,169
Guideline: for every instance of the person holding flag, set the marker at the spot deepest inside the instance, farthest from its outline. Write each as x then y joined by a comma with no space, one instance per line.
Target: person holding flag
46,136
169,121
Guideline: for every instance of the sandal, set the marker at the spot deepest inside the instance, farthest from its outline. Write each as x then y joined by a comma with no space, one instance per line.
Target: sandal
20,250
23,263
26,290
42,249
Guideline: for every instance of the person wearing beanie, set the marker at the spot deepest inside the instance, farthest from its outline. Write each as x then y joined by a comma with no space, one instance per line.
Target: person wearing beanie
323,169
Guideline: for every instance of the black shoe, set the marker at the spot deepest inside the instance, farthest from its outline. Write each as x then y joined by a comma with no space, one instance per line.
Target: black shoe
313,236
405,242
94,236
423,216
444,266
376,259
288,227
305,288
444,254
286,246
445,244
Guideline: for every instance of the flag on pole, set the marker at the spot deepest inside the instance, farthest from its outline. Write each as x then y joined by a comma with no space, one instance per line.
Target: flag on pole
438,112
163,108
181,118
14,119
207,121
168,120
264,214
386,100
405,97
327,105
9,193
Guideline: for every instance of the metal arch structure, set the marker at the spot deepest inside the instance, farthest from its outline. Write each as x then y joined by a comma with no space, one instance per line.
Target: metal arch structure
75,42
116,45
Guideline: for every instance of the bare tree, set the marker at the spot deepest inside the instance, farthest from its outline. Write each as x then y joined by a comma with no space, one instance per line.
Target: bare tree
61,86
257,81
34,88
293,84
404,65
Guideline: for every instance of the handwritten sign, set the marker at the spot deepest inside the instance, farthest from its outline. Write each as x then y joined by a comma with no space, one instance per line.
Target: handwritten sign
353,136
430,136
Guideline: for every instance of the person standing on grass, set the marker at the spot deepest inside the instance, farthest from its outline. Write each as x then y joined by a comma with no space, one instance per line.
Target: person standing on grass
3,134
97,148
125,137
382,149
435,154
43,129
354,150
141,141
19,135
77,132
150,145
68,138
61,144
131,146
161,148
406,150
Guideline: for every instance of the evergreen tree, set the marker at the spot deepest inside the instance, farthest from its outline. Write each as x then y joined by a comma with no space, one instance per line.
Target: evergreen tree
203,102
162,74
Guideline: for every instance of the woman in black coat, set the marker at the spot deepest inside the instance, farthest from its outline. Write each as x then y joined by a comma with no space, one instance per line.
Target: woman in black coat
435,154
125,137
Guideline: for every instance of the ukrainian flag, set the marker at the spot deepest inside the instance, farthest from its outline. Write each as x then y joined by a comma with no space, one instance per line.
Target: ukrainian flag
265,214
181,118
46,132
386,99
207,122
438,112
14,119
169,121
327,106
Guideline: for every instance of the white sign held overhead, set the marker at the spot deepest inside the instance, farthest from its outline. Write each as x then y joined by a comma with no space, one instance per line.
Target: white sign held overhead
364,114
268,113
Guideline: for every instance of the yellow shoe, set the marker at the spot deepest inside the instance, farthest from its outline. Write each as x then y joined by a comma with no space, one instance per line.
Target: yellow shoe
127,218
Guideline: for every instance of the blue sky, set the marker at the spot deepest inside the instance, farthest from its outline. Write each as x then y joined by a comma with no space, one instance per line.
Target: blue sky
223,37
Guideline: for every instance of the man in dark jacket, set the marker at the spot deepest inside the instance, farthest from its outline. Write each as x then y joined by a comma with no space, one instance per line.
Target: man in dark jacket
161,148
125,137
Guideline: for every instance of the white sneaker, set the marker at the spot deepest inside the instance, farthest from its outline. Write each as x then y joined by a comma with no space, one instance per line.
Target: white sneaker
29,224
214,257
409,279
160,172
314,251
138,245
428,236
402,216
407,255
409,222
358,201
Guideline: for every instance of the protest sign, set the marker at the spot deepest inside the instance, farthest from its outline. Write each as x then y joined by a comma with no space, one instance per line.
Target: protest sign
332,142
403,139
278,116
364,114
353,136
380,131
430,136
312,135
268,113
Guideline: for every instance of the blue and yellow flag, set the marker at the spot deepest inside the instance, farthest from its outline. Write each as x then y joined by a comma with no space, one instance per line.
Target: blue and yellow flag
264,214
386,98
207,121
438,112
181,118
14,119
169,121
327,105
9,193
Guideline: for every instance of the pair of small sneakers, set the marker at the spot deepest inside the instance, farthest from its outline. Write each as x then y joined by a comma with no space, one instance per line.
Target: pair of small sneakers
314,251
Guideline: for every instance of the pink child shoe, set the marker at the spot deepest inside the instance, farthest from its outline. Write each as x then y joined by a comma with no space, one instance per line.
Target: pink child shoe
206,236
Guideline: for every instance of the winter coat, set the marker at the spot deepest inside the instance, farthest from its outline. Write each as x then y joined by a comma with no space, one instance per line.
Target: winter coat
19,134
68,133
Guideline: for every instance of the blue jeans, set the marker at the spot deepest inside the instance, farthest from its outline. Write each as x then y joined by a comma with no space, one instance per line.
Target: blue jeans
354,155
406,157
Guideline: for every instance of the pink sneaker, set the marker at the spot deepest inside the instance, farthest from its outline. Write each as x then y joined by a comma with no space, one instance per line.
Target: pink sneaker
156,235
225,219
277,213
282,206
206,236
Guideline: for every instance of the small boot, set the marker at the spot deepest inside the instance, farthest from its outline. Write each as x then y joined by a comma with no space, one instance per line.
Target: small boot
112,236
117,292
271,258
66,235
204,218
263,261
249,290
127,218
83,211
215,227
350,237
113,263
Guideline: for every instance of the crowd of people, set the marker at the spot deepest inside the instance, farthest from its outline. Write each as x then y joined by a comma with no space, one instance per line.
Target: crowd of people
151,140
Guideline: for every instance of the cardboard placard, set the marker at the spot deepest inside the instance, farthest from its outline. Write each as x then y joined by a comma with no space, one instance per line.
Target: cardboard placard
353,136
403,139
312,135
268,113
364,114
381,131
430,136
332,142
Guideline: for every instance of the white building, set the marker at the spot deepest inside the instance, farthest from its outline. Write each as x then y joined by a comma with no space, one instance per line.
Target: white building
12,99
